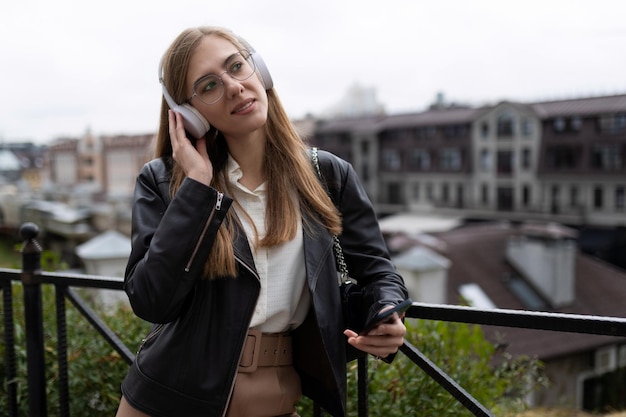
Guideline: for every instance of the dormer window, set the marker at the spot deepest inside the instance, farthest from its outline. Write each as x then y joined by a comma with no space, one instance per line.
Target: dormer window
559,124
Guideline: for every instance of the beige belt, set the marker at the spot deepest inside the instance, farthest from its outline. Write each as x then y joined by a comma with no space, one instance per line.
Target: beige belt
265,349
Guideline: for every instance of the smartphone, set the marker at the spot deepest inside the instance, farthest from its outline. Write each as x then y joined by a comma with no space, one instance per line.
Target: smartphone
386,315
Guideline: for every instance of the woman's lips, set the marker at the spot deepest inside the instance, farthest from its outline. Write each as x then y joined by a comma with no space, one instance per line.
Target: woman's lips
243,107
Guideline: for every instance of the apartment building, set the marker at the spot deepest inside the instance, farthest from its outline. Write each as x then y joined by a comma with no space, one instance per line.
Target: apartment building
562,161
105,165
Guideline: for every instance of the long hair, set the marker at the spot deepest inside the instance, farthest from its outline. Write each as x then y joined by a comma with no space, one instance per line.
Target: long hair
285,153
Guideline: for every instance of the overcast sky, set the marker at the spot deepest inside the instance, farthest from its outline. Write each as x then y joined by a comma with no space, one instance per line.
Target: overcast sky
68,66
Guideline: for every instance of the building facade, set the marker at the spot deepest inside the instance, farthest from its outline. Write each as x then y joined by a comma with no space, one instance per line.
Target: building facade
562,161
106,165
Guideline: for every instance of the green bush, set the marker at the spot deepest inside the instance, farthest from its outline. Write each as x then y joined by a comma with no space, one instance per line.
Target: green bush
495,379
95,371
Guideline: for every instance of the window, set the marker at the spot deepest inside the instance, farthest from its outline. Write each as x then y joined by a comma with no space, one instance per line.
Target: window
562,157
445,193
365,172
455,131
391,160
484,130
419,160
573,196
559,124
505,162
555,198
526,161
460,196
505,125
395,193
365,148
450,159
485,160
606,157
429,191
416,191
567,125
525,293
612,123
527,127
598,197
425,132
505,198
525,195
484,194
475,296
620,198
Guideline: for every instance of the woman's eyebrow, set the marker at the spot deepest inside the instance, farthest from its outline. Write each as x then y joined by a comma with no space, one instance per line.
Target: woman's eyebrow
228,58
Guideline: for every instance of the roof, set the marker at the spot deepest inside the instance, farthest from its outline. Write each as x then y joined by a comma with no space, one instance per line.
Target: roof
421,259
581,106
374,124
8,161
477,253
463,115
348,124
415,223
108,245
433,117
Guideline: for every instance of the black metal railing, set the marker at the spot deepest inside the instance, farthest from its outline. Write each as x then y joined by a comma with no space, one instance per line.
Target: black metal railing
32,278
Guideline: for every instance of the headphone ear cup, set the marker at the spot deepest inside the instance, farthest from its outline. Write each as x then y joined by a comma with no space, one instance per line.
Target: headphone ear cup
266,77
194,122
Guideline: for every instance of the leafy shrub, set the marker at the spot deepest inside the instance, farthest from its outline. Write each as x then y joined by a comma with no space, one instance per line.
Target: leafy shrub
95,370
401,388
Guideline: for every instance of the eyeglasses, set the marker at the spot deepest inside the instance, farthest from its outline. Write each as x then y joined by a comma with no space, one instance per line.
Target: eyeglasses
210,88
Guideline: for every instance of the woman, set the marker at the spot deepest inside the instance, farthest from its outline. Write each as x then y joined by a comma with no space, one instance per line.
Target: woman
232,253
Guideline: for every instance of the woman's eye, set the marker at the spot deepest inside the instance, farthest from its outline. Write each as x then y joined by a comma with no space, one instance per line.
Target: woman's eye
209,85
236,67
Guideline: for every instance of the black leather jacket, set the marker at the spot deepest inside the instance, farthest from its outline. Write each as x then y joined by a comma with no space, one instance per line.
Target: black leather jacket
187,363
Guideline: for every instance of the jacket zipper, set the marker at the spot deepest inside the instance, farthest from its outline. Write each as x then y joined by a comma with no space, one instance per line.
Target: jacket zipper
150,336
218,207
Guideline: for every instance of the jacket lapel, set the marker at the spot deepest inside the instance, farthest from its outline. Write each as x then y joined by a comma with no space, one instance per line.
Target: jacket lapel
318,247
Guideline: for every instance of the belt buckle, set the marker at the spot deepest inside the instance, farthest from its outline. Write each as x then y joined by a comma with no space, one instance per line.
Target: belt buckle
256,347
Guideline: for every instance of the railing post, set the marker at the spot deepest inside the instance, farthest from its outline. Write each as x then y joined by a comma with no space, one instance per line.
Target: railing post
363,382
9,347
33,316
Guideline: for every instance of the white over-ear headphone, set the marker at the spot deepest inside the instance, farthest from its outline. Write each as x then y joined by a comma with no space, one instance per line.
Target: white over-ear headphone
194,122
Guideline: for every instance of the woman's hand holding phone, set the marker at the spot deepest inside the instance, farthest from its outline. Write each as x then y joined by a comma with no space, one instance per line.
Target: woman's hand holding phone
384,334
193,159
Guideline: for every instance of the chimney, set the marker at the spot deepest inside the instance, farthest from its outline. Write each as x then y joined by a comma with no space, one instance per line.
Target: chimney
545,255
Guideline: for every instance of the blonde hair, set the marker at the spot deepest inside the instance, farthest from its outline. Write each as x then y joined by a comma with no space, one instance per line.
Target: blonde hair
285,153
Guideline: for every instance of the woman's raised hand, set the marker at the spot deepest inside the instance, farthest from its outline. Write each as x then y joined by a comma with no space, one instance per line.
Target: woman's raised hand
194,160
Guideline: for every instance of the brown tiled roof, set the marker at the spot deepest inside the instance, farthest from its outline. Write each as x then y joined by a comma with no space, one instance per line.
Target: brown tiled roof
433,117
352,124
462,115
581,106
477,253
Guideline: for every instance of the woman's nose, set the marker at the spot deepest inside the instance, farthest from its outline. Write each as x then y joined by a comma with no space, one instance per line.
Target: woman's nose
232,87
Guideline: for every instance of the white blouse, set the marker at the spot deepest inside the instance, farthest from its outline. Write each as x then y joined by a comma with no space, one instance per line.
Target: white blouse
284,299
